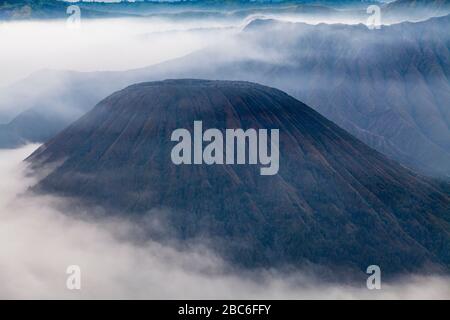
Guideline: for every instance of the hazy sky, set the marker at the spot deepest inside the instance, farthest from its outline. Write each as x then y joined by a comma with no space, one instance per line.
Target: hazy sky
99,45
112,44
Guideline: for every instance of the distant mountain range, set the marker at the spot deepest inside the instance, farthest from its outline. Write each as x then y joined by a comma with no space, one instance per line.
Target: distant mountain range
48,101
417,10
390,87
431,5
44,9
396,11
335,202
47,9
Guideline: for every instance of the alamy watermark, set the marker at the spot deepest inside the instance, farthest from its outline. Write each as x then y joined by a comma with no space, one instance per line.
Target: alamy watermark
73,281
74,19
237,143
374,280
374,20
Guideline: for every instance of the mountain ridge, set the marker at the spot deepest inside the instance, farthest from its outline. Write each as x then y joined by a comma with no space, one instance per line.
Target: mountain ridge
335,202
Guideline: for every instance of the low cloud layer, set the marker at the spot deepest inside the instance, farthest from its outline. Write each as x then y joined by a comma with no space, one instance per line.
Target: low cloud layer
110,44
119,43
38,242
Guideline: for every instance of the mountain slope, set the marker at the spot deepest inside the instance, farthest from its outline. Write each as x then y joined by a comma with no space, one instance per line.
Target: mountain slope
334,202
389,87
29,126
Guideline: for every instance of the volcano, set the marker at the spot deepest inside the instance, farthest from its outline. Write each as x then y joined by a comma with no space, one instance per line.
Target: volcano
334,201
